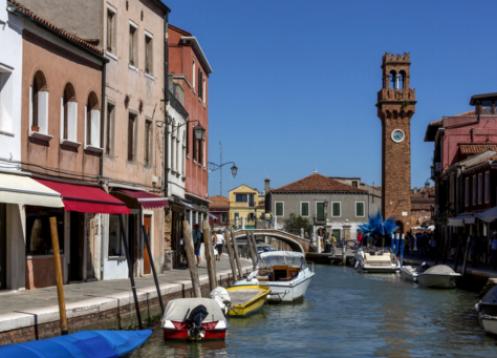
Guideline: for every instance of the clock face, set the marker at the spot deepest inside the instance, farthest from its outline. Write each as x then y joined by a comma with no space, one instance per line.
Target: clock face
398,135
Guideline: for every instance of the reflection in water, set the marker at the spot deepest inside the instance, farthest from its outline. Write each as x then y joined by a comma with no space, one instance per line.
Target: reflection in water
346,314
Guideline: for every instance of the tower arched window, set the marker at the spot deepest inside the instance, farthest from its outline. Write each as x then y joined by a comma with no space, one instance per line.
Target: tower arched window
38,104
392,79
69,114
92,121
401,80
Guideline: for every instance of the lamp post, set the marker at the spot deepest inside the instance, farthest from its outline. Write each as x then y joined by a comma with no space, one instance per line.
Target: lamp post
219,166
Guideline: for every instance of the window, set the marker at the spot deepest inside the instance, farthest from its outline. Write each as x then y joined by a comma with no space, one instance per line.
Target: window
148,142
401,80
92,121
336,209
359,209
241,198
392,79
132,46
204,89
200,146
466,192
69,114
115,241
149,60
304,208
480,188
475,189
279,208
193,75
487,187
38,109
173,149
131,137
38,238
109,129
320,211
6,97
200,84
111,31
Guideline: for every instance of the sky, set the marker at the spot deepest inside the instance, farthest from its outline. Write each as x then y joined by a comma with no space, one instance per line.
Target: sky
294,83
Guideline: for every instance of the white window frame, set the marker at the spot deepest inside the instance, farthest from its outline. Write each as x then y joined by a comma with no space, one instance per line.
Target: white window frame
331,211
133,66
95,123
308,209
72,121
282,207
42,111
6,99
151,37
113,53
194,75
363,208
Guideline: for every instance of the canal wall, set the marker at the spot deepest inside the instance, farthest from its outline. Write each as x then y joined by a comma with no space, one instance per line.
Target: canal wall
110,311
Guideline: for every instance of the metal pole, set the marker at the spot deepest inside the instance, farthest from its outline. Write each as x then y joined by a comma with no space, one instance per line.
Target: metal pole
124,237
220,168
58,276
154,273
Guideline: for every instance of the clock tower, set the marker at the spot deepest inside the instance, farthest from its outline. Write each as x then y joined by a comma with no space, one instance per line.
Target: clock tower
396,105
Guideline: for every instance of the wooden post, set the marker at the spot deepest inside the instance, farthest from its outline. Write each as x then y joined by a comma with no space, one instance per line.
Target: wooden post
252,249
228,243
146,238
190,256
237,256
58,276
209,254
124,238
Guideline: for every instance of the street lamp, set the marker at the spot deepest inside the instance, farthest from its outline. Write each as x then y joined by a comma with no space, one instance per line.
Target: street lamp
217,166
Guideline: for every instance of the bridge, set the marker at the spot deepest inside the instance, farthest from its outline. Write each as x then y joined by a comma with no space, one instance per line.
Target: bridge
294,241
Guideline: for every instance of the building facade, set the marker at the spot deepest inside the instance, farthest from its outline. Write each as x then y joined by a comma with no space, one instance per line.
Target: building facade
396,106
245,207
219,211
325,202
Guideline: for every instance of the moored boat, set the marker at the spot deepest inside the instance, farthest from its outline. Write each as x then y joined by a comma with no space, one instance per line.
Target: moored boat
95,344
438,276
376,261
409,273
193,319
487,311
247,300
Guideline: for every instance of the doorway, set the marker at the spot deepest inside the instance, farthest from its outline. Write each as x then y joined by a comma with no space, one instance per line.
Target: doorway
77,246
3,246
147,220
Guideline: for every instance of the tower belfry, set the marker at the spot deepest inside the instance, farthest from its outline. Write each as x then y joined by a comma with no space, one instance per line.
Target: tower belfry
396,105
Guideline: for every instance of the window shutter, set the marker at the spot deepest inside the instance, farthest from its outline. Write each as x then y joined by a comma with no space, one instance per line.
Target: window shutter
30,107
95,128
85,123
43,111
62,119
72,121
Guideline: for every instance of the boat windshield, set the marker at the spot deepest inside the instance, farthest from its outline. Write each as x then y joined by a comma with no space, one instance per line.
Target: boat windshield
281,259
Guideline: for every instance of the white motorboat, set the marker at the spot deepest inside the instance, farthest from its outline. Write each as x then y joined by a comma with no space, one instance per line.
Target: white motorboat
376,261
438,276
487,311
409,273
284,272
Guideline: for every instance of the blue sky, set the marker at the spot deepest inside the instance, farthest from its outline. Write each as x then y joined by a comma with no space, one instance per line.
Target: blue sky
294,83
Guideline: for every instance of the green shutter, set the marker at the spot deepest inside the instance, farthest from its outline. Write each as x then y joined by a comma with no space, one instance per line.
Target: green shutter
336,209
304,209
320,211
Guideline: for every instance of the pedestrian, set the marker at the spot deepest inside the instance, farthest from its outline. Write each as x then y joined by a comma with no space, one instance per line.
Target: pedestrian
493,250
219,244
197,237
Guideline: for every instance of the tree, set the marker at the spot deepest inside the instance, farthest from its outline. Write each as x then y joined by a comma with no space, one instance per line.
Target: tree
295,222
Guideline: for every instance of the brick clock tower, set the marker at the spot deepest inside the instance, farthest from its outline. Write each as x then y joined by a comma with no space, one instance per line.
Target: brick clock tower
396,105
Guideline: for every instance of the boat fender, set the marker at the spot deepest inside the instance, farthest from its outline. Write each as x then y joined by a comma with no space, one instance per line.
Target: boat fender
194,321
222,298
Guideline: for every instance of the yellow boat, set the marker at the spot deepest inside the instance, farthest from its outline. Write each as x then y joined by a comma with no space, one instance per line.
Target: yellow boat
246,300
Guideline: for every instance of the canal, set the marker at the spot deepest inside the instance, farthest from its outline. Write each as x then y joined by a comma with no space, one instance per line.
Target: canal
347,314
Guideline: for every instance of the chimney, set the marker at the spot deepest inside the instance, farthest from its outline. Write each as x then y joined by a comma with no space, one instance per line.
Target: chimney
267,183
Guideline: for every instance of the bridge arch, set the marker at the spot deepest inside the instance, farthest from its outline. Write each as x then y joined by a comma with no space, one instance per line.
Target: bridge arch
295,242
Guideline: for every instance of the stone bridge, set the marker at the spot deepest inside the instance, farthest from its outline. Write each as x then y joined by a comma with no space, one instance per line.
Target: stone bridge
294,241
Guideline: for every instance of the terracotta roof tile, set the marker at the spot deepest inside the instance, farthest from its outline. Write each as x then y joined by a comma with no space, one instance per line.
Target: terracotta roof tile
317,183
219,202
87,44
476,148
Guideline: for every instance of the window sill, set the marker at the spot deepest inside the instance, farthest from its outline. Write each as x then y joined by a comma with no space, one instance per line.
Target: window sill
93,150
6,133
149,76
132,67
40,138
111,55
70,145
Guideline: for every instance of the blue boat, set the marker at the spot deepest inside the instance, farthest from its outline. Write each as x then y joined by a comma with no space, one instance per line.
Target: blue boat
83,344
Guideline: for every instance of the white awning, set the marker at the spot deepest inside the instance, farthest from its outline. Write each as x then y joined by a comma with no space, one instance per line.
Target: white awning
19,189
461,219
488,215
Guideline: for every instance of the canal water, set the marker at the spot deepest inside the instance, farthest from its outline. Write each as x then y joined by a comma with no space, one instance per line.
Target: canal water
347,314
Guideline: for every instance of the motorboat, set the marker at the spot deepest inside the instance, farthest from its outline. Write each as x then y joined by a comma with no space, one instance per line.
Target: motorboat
247,300
376,261
487,311
284,272
95,344
193,319
409,273
438,276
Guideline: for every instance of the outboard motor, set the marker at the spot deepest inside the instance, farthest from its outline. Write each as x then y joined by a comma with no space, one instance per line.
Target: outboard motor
194,322
424,266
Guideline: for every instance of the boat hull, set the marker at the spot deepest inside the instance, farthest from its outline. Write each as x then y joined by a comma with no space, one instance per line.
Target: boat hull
183,335
290,291
488,323
408,274
437,281
252,305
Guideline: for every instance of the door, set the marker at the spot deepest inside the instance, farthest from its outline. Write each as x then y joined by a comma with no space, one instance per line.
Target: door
147,220
3,247
77,246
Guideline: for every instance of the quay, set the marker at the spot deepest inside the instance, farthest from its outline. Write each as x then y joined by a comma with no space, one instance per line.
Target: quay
34,314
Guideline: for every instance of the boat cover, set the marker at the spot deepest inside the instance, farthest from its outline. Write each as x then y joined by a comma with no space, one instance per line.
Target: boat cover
83,344
439,270
179,309
490,297
291,258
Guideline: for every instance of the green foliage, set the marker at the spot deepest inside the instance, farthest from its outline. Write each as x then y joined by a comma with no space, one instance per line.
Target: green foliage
295,222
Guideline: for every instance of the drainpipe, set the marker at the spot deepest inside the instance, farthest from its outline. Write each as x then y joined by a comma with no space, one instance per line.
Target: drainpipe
166,100
103,120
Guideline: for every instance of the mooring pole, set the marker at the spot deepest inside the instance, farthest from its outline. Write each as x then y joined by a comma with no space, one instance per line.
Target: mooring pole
192,261
252,249
58,276
124,238
231,254
209,255
237,256
146,238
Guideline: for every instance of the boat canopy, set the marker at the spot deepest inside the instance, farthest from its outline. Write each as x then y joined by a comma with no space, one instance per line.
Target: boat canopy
439,270
490,297
180,308
290,258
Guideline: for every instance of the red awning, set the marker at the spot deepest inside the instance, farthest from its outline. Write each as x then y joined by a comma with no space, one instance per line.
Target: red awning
86,199
140,198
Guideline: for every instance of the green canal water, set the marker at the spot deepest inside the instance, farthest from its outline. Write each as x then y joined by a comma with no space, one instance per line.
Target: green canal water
347,314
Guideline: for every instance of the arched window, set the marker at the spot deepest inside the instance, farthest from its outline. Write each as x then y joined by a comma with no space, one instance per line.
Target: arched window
392,79
401,80
92,121
69,114
38,104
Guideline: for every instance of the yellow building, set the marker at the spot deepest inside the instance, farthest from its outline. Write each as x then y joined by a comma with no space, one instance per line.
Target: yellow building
246,206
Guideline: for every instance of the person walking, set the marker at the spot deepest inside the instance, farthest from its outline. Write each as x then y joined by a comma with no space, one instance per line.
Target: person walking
197,237
219,244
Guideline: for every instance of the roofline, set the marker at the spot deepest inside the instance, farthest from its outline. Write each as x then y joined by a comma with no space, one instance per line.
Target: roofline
180,30
475,99
163,6
199,52
354,191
